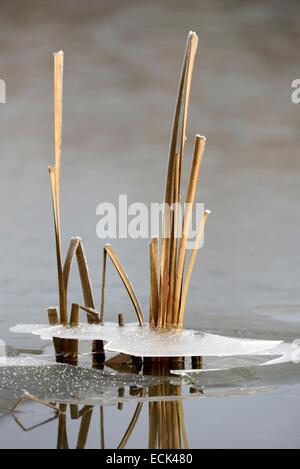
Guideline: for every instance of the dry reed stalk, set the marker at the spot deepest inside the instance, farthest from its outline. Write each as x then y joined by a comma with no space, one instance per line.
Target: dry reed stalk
84,429
163,423
194,254
176,444
76,249
102,433
85,410
131,425
84,277
182,425
102,299
92,314
121,320
30,397
73,343
197,363
152,437
74,242
109,250
173,257
54,321
184,89
190,200
33,427
58,95
61,287
74,411
121,393
119,362
154,274
62,438
55,177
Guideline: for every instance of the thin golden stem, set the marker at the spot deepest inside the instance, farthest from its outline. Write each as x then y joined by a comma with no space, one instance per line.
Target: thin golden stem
69,260
184,87
58,95
126,282
84,277
61,287
54,321
190,200
153,282
84,429
131,426
173,258
104,263
194,254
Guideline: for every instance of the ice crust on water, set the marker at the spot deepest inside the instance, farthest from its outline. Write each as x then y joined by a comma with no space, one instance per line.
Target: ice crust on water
268,376
25,361
70,384
140,341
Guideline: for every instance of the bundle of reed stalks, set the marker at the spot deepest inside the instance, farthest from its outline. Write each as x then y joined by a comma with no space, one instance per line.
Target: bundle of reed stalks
169,277
170,269
169,285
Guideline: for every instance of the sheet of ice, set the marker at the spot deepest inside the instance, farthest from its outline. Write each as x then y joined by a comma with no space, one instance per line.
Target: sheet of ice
26,361
144,342
244,377
70,384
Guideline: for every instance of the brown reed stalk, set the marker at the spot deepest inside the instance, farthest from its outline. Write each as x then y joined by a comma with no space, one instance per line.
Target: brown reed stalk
102,299
92,314
62,438
62,293
184,88
102,432
182,425
117,264
73,343
153,281
121,320
54,321
74,411
84,277
152,425
73,246
194,254
55,178
131,425
30,397
84,429
190,200
173,258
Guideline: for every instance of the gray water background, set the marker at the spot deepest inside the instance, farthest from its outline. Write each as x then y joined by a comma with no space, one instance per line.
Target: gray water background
122,63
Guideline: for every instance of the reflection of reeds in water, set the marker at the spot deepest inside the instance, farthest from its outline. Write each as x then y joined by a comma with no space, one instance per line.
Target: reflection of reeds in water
166,425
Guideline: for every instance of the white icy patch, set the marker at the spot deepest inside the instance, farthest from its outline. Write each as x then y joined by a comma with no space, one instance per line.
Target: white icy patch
243,377
25,361
70,384
140,341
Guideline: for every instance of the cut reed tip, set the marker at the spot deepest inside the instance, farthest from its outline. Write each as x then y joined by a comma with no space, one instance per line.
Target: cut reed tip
201,137
76,238
193,34
60,52
207,212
